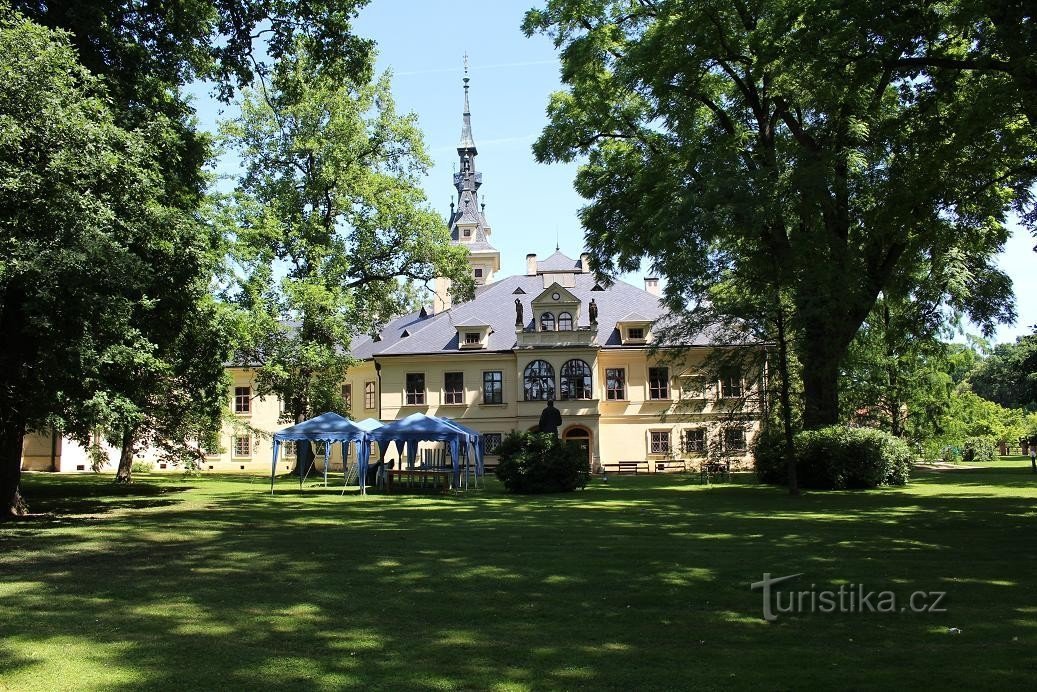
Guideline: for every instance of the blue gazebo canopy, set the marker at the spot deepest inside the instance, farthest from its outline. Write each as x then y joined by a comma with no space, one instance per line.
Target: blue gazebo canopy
328,428
419,427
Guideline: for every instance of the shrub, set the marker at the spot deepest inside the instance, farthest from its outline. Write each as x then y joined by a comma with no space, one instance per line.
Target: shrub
979,449
141,467
540,463
839,457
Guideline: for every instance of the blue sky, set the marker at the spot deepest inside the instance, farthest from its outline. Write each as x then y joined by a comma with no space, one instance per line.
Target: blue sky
528,205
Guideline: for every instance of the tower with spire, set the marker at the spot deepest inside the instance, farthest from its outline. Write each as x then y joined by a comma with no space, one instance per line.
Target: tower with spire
467,220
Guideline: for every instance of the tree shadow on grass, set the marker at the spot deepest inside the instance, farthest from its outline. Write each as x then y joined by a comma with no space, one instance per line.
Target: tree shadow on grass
638,585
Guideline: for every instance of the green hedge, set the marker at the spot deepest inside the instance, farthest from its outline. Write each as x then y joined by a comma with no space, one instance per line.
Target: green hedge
836,458
541,463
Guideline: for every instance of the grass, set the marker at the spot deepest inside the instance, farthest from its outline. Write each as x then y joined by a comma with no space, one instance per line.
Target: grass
643,583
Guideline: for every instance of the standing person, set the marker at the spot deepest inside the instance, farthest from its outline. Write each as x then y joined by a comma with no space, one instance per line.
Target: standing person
1033,457
550,419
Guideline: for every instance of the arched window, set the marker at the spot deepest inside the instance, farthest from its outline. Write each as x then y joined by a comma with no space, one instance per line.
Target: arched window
539,381
576,382
565,322
547,322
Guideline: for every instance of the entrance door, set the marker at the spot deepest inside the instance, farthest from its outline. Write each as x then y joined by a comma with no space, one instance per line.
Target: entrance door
580,436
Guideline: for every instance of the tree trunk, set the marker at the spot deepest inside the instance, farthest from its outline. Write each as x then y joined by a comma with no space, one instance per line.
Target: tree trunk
786,404
11,502
820,391
125,472
304,457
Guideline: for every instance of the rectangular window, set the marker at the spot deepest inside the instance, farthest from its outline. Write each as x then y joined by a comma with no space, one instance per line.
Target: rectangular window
467,233
658,383
730,383
491,442
347,396
636,333
615,384
289,448
478,272
242,446
369,394
415,388
472,337
660,442
695,440
453,388
493,387
734,440
242,399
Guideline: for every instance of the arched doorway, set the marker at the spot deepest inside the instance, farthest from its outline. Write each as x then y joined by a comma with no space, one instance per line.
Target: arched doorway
581,436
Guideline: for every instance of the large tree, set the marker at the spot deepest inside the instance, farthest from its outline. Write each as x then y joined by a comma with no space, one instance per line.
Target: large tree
838,147
86,225
1009,375
330,224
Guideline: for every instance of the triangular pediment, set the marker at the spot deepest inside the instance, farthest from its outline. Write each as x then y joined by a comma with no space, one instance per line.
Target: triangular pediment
547,297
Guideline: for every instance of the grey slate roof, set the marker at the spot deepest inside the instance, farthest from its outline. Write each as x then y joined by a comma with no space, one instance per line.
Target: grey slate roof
494,305
559,262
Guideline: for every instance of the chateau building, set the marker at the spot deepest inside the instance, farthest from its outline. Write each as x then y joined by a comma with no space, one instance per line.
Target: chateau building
553,332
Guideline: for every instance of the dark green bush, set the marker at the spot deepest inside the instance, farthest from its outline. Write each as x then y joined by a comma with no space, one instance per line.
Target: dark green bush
839,457
979,449
769,456
541,463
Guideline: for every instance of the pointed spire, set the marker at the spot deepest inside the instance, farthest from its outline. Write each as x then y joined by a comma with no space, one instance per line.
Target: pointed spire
467,141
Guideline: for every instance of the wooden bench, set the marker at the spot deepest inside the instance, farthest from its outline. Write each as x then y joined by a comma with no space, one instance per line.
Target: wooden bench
418,478
671,465
626,467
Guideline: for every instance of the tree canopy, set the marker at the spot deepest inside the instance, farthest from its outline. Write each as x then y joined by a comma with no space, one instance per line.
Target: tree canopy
1009,375
91,247
329,224
833,152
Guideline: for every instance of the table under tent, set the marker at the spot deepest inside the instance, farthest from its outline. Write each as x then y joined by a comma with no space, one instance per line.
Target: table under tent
328,428
408,432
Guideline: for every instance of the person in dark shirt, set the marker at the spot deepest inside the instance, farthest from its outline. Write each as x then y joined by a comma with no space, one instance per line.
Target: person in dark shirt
550,419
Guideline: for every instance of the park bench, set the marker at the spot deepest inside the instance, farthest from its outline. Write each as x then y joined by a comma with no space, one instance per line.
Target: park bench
626,467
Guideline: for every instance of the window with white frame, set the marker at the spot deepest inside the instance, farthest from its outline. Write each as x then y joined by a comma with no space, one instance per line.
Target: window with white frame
659,383
493,387
547,322
730,382
453,388
347,396
415,388
575,381
242,400
615,384
539,381
242,445
472,338
565,322
289,448
659,442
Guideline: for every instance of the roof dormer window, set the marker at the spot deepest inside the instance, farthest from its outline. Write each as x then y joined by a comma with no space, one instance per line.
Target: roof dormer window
547,322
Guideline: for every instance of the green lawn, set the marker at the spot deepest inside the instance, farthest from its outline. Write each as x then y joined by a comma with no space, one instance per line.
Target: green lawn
643,583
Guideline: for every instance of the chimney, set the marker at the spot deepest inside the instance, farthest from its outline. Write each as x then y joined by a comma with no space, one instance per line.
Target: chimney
531,265
652,285
585,262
